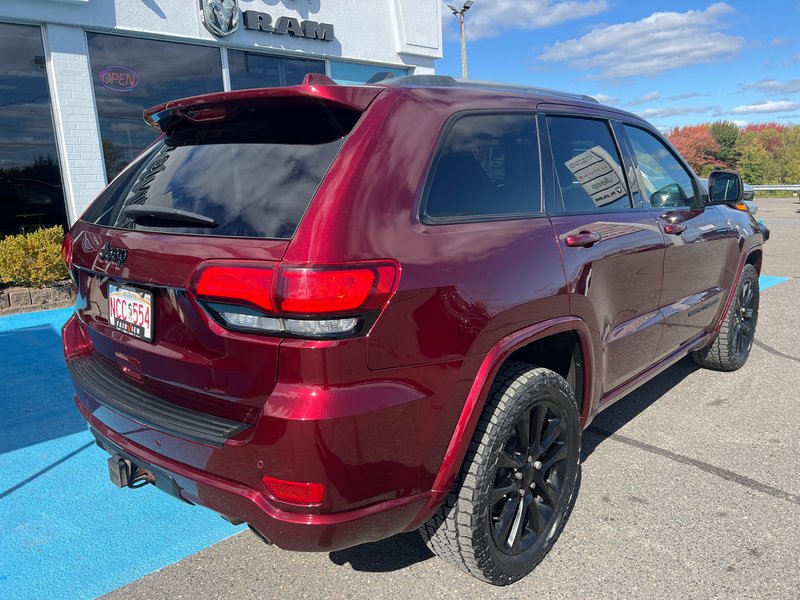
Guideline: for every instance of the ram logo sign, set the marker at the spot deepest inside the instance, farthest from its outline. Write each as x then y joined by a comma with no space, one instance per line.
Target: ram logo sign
220,17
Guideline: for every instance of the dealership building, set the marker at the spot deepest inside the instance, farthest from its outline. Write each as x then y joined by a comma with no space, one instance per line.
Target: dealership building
75,76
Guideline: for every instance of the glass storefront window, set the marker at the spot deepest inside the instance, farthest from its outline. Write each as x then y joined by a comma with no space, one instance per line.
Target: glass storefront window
354,73
131,74
31,195
252,70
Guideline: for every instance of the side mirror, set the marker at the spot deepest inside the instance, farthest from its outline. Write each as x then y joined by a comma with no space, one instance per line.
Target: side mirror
725,187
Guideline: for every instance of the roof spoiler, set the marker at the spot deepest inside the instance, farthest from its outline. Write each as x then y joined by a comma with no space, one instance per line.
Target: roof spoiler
211,108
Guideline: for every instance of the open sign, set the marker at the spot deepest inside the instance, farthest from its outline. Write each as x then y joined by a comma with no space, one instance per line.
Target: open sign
119,79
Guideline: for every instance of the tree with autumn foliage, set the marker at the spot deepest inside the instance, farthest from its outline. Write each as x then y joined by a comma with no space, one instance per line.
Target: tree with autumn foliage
726,133
770,153
697,145
763,153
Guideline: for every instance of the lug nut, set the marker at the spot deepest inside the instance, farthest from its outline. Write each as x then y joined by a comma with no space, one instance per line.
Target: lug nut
517,475
537,465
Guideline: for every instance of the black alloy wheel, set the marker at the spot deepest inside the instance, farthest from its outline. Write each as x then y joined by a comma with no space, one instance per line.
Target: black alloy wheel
530,478
744,314
518,481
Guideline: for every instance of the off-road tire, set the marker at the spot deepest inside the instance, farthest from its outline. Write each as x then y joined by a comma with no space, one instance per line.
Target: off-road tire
729,351
464,531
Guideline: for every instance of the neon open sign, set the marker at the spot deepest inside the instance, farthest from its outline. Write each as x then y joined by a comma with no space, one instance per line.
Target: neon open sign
119,79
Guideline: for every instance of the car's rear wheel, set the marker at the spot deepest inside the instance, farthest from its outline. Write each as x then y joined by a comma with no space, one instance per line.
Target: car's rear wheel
731,347
518,481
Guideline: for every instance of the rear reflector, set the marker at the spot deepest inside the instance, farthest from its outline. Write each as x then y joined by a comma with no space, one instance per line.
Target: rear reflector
75,339
294,492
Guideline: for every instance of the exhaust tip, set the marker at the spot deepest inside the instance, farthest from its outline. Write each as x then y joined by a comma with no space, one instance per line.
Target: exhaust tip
260,535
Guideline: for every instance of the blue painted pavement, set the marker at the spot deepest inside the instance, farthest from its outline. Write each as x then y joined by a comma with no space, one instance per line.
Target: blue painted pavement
67,532
767,281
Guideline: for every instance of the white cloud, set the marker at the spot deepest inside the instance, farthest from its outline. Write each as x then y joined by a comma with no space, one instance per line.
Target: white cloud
652,96
684,96
779,41
790,61
658,43
490,18
774,86
740,123
605,99
765,106
674,111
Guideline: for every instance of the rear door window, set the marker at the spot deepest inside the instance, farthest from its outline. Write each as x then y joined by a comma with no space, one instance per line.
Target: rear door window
587,166
488,167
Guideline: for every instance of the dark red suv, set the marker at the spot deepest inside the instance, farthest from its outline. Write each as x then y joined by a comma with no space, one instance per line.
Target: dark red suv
337,313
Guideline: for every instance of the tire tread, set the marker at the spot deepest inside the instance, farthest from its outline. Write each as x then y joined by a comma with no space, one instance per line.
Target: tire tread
451,531
720,354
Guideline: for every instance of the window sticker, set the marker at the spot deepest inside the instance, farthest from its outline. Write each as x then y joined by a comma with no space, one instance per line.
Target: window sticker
599,174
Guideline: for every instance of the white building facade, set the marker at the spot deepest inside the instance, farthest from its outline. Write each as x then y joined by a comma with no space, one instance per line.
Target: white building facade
75,76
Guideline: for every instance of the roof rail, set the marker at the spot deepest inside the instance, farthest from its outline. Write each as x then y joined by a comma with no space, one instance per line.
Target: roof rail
448,81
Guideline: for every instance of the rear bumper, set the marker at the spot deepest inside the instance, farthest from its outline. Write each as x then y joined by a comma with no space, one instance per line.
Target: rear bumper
238,503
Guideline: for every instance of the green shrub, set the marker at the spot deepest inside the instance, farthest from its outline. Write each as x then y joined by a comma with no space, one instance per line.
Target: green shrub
32,258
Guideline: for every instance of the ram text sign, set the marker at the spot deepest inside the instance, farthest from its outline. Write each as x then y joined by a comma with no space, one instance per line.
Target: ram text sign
259,21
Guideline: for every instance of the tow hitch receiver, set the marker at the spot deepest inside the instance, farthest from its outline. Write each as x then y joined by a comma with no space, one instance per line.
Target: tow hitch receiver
124,473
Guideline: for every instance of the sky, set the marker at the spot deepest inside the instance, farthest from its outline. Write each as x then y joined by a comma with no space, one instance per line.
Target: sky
674,63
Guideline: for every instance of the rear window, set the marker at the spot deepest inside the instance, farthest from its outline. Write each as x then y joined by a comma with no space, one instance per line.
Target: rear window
252,176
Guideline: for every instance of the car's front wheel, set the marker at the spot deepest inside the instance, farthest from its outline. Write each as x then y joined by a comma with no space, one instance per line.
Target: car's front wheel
731,347
518,481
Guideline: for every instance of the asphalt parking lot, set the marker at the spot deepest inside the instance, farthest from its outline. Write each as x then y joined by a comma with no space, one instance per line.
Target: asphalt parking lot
690,489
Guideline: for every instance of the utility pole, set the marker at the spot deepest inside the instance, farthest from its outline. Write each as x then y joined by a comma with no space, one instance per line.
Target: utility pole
460,14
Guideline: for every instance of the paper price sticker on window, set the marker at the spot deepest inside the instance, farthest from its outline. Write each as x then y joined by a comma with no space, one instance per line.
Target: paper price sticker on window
599,174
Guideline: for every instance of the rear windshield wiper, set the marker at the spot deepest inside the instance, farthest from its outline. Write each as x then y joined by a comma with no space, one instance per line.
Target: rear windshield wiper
164,216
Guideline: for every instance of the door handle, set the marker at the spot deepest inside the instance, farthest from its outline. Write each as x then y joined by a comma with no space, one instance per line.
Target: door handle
675,228
583,239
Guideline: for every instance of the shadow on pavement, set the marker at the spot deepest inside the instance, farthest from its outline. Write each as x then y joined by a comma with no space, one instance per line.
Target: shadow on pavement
392,554
35,389
631,406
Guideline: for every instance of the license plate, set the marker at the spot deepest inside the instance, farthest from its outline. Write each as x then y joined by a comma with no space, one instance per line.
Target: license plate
131,310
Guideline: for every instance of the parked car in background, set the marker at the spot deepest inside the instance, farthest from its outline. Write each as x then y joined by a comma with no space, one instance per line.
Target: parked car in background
748,201
338,313
748,195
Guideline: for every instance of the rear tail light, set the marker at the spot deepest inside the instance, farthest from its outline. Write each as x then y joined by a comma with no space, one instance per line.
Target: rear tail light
248,285
67,245
67,248
338,289
303,300
294,492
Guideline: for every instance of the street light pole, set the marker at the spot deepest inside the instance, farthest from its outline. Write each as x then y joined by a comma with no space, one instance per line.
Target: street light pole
460,14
